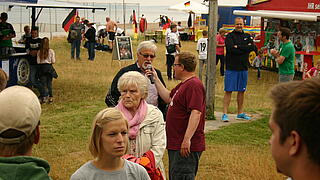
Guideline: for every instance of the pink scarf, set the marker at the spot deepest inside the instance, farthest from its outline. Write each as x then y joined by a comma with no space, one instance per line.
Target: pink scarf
134,121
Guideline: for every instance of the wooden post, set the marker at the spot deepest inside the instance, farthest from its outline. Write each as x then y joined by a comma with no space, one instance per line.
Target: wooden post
124,16
211,61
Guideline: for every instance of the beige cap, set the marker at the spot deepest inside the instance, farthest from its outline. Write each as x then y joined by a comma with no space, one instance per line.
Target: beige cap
20,111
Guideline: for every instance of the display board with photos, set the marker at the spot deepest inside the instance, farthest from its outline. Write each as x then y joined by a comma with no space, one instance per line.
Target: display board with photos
123,48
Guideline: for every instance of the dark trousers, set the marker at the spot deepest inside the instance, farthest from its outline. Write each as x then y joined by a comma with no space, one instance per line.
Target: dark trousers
220,58
259,73
34,79
75,45
46,81
183,168
91,51
170,61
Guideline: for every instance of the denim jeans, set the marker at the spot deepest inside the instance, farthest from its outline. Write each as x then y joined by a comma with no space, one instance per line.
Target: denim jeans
75,45
185,168
34,79
170,61
91,51
46,81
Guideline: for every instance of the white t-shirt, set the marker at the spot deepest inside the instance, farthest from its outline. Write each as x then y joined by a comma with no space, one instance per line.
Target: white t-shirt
172,38
130,171
202,47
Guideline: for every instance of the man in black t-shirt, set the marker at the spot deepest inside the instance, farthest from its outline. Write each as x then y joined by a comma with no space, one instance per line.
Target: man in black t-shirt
238,46
32,48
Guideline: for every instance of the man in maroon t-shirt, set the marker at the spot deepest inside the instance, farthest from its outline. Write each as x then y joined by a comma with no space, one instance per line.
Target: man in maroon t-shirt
185,118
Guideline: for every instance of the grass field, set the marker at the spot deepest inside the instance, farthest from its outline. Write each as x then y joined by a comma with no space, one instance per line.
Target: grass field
236,152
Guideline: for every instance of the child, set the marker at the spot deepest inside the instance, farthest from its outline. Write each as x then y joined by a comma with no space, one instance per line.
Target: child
257,62
314,71
220,49
45,59
27,34
202,48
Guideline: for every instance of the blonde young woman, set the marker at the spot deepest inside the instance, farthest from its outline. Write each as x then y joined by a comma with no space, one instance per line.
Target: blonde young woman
147,133
45,59
108,143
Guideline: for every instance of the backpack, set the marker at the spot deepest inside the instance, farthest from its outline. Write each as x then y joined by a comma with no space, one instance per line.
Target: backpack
72,36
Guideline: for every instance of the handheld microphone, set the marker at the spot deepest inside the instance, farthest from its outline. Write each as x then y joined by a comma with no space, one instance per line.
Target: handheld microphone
149,67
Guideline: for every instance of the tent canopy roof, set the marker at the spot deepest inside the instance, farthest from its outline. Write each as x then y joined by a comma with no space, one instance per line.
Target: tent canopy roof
193,6
55,4
304,16
233,3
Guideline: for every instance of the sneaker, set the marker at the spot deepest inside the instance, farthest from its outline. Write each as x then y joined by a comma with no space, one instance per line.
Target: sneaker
50,101
225,118
43,100
243,116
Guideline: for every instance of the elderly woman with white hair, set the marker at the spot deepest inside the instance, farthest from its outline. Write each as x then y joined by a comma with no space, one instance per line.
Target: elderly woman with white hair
146,54
147,134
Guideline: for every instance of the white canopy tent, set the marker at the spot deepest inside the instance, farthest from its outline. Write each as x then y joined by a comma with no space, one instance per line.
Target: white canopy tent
233,3
193,7
50,4
200,8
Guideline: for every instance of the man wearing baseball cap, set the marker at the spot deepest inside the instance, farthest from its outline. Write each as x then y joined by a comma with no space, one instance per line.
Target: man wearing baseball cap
19,130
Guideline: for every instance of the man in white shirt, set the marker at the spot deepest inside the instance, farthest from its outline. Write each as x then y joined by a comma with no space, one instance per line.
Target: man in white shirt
171,39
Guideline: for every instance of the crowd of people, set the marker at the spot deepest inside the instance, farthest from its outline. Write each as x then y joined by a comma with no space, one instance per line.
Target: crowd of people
144,118
39,55
93,38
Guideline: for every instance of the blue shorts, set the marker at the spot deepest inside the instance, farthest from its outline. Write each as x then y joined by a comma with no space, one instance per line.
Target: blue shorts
235,80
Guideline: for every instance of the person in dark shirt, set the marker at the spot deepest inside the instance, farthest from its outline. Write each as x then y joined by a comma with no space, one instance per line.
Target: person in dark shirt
6,34
238,46
76,29
32,47
146,52
27,34
91,37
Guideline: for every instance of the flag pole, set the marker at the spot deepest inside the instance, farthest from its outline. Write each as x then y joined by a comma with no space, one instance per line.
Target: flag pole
124,16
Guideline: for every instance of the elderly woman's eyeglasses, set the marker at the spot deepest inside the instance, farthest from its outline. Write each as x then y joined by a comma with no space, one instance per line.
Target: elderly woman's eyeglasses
147,55
124,92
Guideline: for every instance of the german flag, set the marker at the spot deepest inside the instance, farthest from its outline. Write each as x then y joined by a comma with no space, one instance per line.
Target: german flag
187,3
134,22
69,20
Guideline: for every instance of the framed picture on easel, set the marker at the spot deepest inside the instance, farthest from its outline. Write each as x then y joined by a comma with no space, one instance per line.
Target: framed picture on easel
123,48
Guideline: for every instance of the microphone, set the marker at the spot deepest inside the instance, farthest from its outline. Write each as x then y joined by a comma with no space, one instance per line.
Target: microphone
149,67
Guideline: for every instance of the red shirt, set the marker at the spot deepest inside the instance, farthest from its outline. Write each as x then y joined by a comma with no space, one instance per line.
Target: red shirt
220,40
186,96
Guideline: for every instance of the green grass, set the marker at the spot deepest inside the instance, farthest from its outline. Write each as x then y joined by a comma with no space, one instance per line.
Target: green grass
254,133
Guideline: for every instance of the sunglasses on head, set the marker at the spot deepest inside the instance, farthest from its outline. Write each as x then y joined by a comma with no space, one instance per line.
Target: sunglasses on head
147,55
